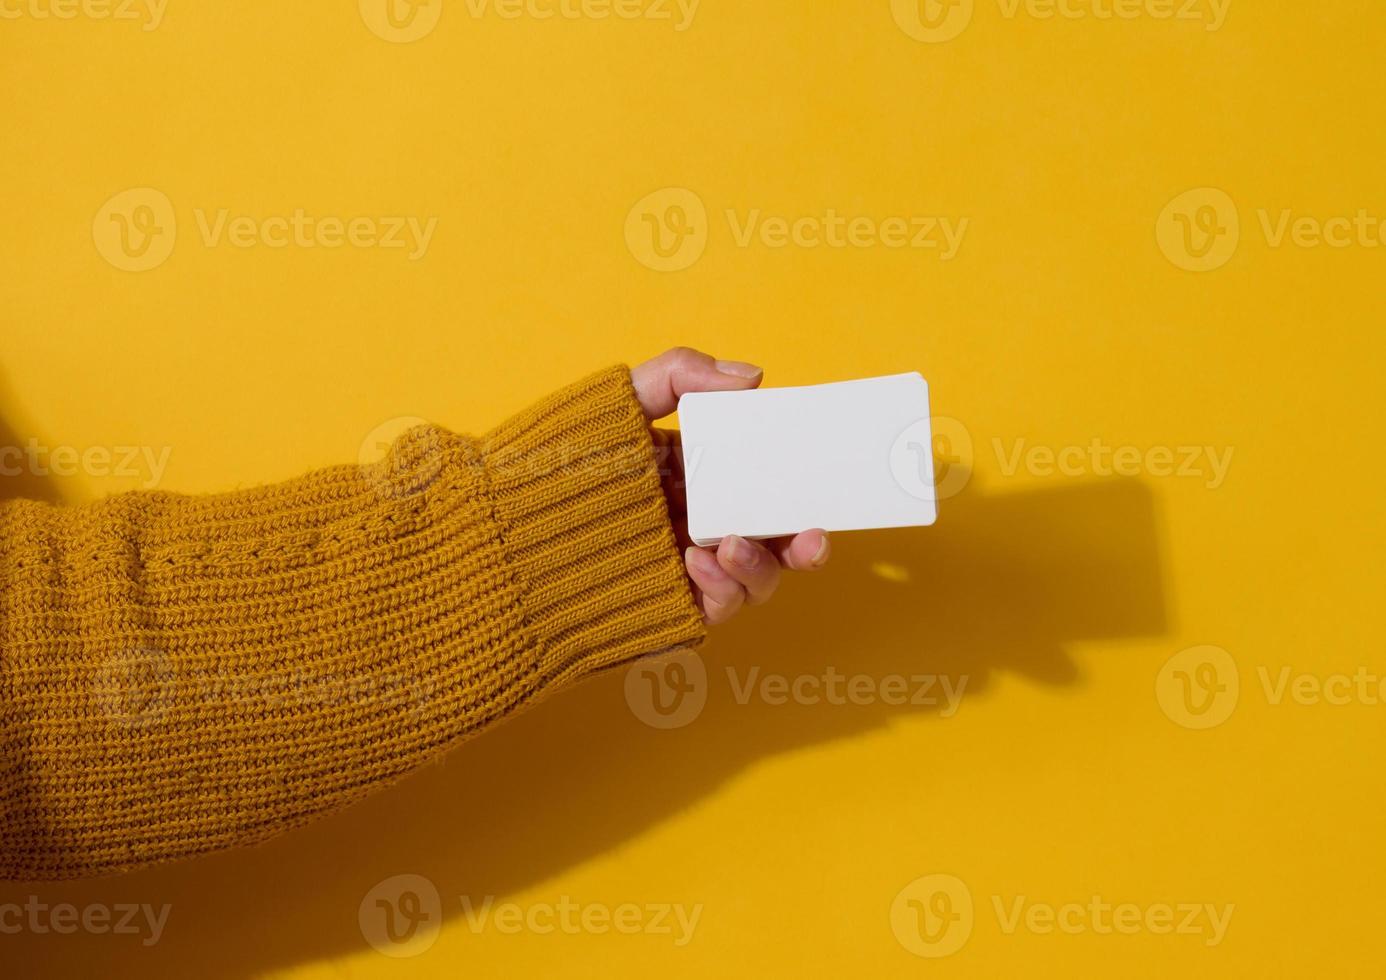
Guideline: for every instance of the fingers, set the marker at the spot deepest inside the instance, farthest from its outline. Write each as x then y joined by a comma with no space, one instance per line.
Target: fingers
804,552
658,383
740,572
751,565
720,595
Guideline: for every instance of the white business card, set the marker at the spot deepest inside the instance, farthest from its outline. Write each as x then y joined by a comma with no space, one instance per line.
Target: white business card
845,456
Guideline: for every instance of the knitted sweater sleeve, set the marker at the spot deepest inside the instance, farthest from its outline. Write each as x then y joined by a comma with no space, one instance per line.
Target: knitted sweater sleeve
180,674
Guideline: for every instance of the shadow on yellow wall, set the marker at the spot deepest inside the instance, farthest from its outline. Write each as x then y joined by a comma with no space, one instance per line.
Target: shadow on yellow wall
1002,583
17,480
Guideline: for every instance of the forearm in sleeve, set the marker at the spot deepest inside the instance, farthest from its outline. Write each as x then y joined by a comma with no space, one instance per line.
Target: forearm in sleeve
180,674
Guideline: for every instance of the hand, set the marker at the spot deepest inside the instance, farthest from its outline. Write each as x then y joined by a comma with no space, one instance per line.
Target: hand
737,571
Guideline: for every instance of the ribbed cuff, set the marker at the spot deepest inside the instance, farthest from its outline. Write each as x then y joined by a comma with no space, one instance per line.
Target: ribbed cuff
576,489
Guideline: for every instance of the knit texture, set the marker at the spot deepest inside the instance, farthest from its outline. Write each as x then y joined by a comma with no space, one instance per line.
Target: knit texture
180,674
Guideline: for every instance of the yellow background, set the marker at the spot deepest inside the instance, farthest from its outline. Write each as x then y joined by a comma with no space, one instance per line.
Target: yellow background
1059,322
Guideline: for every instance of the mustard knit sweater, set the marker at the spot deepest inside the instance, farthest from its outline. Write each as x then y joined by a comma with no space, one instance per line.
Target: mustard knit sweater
180,674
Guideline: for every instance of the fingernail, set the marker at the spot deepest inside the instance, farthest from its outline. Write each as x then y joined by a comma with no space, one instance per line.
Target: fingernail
704,562
821,555
741,553
738,369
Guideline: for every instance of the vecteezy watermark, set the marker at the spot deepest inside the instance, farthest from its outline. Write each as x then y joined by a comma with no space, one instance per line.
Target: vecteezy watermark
1098,458
935,21
133,686
97,919
679,13
1284,226
402,456
943,448
299,229
829,229
139,686
1201,229
934,916
405,455
1200,687
136,229
931,459
402,916
1285,685
832,687
148,13
932,21
676,920
670,691
146,463
668,230
1207,921
402,21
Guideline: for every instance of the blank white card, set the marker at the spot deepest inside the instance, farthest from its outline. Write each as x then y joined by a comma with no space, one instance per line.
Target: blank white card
843,456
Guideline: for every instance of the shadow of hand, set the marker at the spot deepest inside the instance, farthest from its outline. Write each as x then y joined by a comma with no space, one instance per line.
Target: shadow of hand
1002,583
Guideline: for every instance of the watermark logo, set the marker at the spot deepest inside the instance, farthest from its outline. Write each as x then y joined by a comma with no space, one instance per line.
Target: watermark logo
667,229
1199,230
568,917
912,460
668,691
1362,687
932,21
401,916
135,230
97,919
299,229
931,459
135,686
942,448
1362,229
36,459
1212,14
1204,920
149,13
933,916
678,12
835,688
1208,464
940,234
401,456
1199,687
671,691
401,21
952,456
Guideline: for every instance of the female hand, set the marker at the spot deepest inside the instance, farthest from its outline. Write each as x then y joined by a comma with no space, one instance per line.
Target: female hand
737,571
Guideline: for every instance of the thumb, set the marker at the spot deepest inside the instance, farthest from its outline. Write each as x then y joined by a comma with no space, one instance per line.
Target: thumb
659,382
